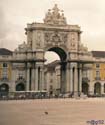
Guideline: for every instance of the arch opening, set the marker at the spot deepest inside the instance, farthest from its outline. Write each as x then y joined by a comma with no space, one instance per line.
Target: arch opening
62,54
20,87
58,67
85,88
4,89
97,88
51,57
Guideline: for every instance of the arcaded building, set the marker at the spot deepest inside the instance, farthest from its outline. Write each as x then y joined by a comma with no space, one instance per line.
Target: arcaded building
78,70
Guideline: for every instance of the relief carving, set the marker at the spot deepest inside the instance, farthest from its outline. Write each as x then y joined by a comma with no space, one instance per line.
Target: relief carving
48,37
55,16
55,38
72,41
64,37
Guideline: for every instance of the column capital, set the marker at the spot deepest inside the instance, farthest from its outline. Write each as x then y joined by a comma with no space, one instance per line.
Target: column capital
29,65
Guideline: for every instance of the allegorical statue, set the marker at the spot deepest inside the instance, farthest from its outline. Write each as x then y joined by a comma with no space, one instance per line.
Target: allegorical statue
55,16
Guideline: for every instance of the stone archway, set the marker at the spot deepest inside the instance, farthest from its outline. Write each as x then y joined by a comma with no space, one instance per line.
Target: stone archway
61,52
20,87
63,56
54,34
97,88
85,88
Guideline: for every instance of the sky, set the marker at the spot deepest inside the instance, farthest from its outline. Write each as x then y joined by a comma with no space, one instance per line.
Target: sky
88,14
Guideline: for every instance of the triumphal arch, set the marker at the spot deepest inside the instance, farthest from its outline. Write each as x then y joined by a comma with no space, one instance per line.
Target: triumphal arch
54,34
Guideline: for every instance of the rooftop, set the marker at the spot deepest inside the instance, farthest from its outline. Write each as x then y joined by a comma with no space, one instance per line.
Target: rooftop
4,51
98,54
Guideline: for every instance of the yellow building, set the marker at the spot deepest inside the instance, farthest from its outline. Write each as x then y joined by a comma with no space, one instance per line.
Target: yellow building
5,70
99,72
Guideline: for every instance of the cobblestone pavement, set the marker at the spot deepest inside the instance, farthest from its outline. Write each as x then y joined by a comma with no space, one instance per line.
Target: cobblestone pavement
52,112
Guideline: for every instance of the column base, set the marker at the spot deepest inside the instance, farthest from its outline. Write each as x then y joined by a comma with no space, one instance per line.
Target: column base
75,94
91,93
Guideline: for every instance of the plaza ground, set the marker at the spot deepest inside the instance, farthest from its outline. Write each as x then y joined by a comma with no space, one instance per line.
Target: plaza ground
52,111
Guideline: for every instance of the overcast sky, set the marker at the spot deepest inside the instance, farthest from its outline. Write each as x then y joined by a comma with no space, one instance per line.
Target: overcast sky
89,14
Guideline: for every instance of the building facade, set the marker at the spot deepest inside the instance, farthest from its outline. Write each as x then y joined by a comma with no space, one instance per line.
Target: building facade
74,73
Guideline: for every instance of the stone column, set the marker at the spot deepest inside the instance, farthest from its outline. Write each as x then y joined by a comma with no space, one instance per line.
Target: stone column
102,89
42,79
76,81
36,78
68,78
91,88
27,79
33,79
91,83
71,79
13,85
63,74
80,80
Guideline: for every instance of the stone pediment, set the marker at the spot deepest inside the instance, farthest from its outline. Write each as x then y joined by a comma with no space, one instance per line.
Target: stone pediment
55,16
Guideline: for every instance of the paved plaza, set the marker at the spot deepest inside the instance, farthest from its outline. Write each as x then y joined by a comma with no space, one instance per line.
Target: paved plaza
52,111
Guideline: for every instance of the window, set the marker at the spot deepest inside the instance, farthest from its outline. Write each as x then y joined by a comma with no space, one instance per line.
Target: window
97,65
5,75
4,65
97,74
5,71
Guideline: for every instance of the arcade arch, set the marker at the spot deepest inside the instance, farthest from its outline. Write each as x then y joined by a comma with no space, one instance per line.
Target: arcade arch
20,87
85,88
62,56
4,88
97,88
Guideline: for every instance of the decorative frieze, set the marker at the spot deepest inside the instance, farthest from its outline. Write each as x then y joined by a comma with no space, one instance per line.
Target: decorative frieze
55,38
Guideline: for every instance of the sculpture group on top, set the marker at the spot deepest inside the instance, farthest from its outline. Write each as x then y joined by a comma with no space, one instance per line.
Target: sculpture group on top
55,16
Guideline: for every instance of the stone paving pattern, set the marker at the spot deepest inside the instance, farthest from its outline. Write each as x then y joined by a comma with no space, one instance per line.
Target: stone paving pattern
60,111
